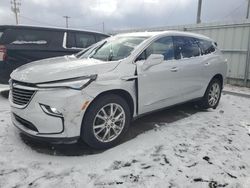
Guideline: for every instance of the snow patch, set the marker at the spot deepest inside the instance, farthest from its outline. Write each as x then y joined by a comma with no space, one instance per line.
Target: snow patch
205,149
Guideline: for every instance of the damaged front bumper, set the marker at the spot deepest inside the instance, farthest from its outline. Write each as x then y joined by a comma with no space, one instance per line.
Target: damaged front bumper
52,115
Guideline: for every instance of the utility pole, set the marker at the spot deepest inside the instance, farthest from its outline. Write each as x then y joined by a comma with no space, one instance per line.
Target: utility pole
198,19
15,8
67,21
248,7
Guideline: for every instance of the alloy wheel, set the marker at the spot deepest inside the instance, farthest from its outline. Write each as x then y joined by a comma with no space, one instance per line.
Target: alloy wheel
214,94
109,122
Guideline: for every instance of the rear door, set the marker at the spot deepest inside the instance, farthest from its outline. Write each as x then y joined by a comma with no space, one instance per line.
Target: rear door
189,66
210,60
26,45
23,45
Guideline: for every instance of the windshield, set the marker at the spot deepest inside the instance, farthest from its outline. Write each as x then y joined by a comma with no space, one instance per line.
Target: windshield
114,48
86,52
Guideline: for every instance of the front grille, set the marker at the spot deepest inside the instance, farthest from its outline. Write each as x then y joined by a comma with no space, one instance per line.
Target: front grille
21,96
25,123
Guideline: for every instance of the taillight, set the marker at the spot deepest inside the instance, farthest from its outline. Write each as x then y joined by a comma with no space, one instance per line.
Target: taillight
3,53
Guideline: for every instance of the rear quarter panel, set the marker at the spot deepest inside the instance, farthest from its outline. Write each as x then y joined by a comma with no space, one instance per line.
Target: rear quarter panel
217,65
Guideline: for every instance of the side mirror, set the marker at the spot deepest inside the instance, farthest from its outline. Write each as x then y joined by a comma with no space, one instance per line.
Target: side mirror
153,59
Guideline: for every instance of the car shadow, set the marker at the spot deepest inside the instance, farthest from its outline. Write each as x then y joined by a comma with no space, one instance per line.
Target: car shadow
139,126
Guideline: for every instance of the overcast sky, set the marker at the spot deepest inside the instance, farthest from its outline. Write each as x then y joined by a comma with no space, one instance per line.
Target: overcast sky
121,14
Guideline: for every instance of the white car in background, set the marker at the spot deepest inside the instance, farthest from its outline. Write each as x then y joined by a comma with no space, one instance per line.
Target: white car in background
95,94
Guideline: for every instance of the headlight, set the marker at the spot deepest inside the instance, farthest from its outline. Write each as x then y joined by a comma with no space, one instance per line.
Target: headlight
73,83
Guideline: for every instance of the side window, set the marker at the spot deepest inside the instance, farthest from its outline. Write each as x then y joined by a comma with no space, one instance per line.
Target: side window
185,47
162,46
100,37
29,37
207,47
71,43
142,56
84,40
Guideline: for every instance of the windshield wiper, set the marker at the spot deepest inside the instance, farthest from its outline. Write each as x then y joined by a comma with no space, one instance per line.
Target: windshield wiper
94,52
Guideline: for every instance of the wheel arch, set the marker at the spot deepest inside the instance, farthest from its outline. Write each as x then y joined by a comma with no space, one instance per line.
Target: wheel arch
216,76
120,92
219,77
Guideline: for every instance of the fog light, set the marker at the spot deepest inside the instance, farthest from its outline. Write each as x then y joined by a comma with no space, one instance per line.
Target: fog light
51,110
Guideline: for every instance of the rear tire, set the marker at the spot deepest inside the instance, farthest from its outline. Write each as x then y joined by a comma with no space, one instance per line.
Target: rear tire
212,95
105,121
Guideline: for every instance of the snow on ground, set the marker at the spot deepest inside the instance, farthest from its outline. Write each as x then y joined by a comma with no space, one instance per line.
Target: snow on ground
206,149
237,89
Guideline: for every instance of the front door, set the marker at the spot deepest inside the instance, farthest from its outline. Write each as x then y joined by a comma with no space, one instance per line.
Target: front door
157,85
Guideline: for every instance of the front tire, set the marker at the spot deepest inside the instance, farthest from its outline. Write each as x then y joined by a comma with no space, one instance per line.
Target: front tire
105,121
212,95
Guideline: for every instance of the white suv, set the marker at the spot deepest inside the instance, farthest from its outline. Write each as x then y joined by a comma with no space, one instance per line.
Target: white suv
94,94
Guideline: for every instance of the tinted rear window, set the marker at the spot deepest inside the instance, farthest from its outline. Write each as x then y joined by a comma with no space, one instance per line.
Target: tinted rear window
185,47
206,46
28,37
80,40
84,40
71,42
100,37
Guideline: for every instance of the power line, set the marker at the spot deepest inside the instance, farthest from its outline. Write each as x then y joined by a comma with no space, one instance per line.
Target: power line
101,23
15,8
36,21
48,24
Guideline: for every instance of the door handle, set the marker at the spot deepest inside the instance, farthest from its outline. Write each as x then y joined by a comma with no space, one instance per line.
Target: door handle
174,69
207,64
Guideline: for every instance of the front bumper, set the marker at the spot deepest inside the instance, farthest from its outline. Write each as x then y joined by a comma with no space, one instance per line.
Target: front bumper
46,138
34,122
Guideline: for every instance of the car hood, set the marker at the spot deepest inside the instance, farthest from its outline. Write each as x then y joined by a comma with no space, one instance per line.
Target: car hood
60,68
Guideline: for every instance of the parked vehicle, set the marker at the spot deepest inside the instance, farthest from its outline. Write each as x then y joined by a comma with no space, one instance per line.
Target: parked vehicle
22,44
95,94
